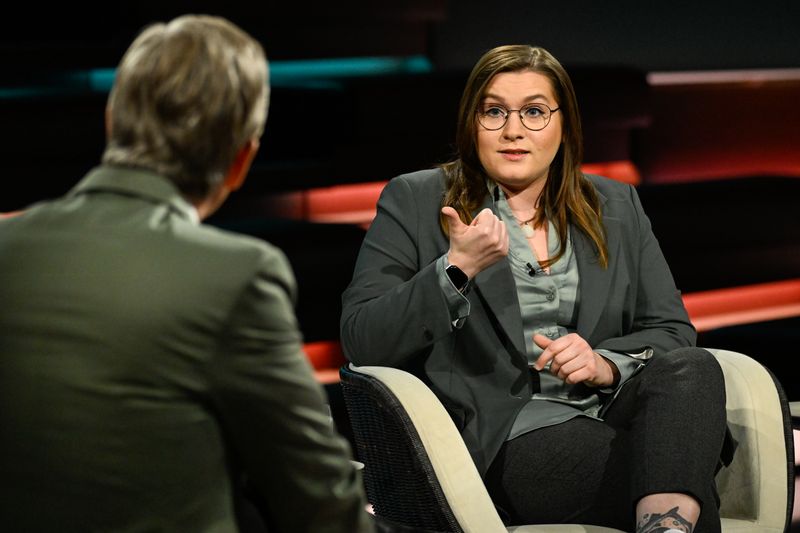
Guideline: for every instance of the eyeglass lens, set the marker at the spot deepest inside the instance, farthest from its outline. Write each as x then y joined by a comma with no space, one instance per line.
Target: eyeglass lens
534,117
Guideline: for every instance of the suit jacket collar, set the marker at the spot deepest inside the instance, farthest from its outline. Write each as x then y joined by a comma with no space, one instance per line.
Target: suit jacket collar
496,286
136,182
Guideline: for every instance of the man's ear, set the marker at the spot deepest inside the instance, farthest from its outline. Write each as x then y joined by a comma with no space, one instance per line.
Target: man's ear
107,118
241,165
234,179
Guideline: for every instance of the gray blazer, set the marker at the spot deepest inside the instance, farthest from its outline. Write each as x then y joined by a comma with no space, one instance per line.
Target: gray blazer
395,313
149,364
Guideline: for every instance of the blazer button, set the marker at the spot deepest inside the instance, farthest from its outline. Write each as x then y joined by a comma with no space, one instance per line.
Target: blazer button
427,334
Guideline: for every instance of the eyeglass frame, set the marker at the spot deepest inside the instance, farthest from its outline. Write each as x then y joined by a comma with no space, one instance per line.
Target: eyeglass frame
508,112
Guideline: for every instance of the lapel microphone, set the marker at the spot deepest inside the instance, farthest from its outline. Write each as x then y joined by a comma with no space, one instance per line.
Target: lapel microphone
531,270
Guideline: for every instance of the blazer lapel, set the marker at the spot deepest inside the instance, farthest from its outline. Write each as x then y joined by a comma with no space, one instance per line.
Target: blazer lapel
595,281
495,285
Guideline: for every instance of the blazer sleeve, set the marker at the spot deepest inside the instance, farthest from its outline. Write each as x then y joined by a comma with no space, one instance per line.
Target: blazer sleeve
273,413
660,322
395,299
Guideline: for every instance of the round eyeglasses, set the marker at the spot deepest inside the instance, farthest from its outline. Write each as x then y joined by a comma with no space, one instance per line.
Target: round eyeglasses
535,117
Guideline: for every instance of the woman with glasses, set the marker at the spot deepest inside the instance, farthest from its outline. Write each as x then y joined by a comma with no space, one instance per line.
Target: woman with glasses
535,302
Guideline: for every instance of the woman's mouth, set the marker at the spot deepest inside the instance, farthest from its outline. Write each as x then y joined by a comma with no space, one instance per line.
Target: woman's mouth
513,155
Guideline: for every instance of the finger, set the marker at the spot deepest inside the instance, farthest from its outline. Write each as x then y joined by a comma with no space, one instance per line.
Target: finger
484,215
571,343
505,239
559,370
567,364
452,217
567,358
544,358
577,376
547,355
541,340
493,231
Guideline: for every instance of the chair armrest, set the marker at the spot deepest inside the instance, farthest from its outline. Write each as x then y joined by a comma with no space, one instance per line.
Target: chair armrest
759,483
454,468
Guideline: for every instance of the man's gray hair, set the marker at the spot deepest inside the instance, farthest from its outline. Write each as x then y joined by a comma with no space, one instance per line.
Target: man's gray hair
187,96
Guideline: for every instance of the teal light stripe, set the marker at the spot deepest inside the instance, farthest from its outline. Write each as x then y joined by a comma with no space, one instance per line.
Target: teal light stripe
17,93
285,73
306,73
101,79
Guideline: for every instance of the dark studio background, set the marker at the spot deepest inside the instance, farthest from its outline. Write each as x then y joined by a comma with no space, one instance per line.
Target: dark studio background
718,162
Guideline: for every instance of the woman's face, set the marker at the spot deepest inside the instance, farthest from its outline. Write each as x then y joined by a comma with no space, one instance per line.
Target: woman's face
513,155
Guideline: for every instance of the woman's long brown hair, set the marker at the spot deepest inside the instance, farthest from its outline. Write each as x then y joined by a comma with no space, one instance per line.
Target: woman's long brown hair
568,197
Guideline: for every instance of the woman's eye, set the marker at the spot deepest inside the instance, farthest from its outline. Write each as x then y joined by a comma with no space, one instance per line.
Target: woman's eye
533,111
494,111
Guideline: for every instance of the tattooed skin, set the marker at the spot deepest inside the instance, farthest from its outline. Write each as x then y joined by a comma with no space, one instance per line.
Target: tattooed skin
669,522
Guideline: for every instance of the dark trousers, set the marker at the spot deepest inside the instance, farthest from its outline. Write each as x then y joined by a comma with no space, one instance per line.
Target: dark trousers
664,432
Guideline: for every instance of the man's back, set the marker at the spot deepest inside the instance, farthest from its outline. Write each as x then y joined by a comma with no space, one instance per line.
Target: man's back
145,361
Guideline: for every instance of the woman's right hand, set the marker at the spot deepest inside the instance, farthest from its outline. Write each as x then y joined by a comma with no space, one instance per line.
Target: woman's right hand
476,246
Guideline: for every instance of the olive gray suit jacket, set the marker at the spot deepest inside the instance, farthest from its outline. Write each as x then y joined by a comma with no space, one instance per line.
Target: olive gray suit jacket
148,364
395,312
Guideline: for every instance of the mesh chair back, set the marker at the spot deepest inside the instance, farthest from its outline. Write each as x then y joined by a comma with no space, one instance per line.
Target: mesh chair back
398,476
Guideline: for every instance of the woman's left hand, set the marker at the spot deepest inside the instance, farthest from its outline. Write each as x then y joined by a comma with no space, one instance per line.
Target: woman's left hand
573,360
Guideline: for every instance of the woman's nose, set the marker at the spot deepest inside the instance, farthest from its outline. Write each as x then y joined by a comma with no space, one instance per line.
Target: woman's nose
513,127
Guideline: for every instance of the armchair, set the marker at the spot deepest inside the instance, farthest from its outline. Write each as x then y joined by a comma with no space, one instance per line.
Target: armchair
419,473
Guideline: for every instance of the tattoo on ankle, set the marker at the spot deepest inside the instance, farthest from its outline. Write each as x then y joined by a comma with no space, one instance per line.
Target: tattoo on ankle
669,522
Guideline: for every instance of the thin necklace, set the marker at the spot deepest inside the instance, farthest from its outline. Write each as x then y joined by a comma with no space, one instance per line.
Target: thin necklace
527,226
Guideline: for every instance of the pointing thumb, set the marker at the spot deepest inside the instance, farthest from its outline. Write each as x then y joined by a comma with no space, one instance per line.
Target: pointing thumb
452,217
